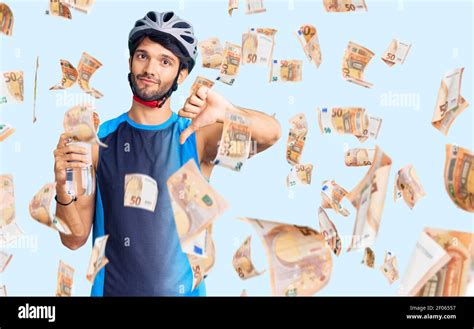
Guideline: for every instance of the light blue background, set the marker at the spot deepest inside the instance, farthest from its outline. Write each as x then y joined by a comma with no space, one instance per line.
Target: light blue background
441,35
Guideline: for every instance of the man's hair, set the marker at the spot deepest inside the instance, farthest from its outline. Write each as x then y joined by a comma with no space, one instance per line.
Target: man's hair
167,42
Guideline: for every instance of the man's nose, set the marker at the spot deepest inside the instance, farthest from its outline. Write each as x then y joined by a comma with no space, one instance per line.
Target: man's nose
152,68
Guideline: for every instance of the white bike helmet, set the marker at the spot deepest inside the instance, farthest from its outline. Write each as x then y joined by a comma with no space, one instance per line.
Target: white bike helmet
167,23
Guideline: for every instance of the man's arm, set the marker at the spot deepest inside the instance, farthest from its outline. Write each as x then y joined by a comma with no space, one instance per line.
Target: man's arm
265,131
78,215
208,110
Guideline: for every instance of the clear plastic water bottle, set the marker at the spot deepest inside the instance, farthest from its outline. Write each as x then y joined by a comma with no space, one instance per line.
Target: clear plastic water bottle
81,181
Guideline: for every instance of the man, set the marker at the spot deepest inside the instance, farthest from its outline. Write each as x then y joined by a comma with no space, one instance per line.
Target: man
143,247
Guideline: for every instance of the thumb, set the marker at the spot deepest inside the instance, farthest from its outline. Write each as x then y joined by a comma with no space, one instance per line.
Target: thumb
186,133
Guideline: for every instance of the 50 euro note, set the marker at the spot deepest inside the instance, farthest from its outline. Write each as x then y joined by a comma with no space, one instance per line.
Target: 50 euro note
9,229
299,174
396,53
196,205
408,186
341,6
331,197
358,157
355,60
242,261
98,259
440,264
201,266
368,197
40,209
308,38
286,70
459,176
57,8
199,82
11,87
235,143
329,232
296,138
258,45
230,64
140,191
389,268
450,103
81,124
6,19
86,68
212,53
84,6
299,260
5,259
251,6
6,131
65,280
349,120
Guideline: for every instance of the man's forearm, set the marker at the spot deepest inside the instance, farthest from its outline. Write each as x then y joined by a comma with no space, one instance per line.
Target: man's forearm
70,215
265,129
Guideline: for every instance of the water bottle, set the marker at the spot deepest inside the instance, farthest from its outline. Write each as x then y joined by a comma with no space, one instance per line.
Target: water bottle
81,181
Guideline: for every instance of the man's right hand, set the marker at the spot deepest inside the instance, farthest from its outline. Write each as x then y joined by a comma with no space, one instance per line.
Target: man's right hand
67,157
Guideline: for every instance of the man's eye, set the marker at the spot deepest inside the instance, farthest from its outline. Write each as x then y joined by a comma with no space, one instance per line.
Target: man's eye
166,62
141,56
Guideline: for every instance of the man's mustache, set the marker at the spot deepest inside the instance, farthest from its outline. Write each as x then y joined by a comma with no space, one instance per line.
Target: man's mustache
148,77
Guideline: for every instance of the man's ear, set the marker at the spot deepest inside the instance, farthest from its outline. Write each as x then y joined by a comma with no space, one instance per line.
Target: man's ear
182,75
130,63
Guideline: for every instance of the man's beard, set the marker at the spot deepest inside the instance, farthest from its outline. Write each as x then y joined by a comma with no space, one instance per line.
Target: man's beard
151,95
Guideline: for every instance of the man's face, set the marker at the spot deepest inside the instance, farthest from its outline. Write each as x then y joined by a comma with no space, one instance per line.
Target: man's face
154,69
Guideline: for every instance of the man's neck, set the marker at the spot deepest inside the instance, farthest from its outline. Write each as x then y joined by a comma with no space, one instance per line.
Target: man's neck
148,116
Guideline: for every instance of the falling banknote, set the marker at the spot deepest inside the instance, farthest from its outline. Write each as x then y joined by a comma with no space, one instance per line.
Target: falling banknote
84,6
257,46
296,138
308,38
86,68
299,174
369,258
6,19
230,64
57,8
201,266
329,232
450,103
196,205
9,229
81,124
65,280
6,131
408,186
459,176
98,259
340,6
3,291
251,6
331,197
286,71
355,60
199,82
140,191
368,197
39,208
440,264
212,53
234,146
242,261
5,259
11,88
396,53
358,157
349,120
299,259
389,267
